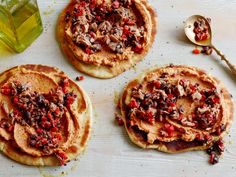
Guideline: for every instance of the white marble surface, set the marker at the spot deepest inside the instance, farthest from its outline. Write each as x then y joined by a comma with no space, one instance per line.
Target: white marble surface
109,151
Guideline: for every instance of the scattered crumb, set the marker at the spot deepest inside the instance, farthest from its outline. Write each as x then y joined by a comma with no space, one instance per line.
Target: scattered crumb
79,78
49,10
116,97
135,67
167,42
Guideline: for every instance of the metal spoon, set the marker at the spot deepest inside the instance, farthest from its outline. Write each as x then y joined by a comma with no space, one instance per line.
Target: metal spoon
189,26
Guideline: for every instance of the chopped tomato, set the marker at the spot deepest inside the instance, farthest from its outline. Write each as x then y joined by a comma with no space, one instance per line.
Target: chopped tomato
15,99
54,129
92,4
196,51
39,130
138,48
133,103
203,98
169,128
172,104
43,119
10,128
170,96
57,111
126,30
79,13
149,117
157,84
129,21
192,87
216,100
116,4
62,157
88,51
6,90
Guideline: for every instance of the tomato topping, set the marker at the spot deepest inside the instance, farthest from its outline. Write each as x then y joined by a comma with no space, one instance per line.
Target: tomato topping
39,130
169,128
216,100
172,104
92,4
88,51
62,157
79,13
196,51
170,96
203,98
43,119
58,136
157,84
10,128
15,99
129,21
133,103
116,4
6,90
54,129
138,48
149,117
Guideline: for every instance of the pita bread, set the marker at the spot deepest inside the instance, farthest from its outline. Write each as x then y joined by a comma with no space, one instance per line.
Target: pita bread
75,121
175,109
107,63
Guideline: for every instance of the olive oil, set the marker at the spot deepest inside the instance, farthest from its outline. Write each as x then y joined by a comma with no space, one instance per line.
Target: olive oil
20,23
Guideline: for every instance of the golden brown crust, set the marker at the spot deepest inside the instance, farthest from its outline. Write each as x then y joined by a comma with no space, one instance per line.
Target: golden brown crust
177,146
107,65
81,118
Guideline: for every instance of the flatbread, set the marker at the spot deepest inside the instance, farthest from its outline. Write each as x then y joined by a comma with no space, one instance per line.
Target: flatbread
75,128
107,63
199,123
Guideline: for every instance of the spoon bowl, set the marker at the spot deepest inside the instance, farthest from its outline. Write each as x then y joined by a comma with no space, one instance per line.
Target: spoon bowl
189,31
189,27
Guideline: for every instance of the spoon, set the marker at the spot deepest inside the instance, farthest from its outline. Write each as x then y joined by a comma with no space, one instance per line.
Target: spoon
189,26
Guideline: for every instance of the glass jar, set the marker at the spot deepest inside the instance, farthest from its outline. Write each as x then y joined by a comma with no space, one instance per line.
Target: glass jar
20,23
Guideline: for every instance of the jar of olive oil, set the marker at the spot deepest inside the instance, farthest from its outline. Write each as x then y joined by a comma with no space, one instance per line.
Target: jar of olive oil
20,23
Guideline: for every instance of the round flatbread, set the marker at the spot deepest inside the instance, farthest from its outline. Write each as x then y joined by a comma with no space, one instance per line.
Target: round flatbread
106,37
45,118
175,109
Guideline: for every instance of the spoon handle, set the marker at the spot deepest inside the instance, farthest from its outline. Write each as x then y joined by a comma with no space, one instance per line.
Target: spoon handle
230,65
